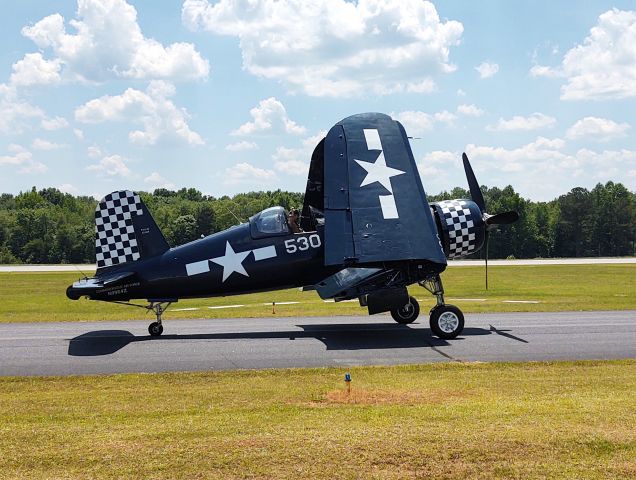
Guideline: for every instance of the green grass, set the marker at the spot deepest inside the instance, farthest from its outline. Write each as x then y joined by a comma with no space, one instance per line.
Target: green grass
40,297
536,420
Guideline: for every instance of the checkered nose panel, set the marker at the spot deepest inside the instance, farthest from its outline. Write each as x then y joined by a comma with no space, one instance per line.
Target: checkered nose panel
115,240
460,224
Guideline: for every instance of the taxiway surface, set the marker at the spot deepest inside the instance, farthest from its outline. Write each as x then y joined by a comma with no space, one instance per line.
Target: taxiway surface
223,344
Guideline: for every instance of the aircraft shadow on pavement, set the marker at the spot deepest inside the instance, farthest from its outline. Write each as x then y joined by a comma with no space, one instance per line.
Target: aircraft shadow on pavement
357,336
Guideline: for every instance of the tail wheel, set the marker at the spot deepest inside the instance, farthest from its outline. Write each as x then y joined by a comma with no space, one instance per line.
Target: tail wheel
408,313
155,329
447,321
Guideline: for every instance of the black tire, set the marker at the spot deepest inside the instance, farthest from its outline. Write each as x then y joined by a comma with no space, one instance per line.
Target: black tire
155,329
447,321
408,313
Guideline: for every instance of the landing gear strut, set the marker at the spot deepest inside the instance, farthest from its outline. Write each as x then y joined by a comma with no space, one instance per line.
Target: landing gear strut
447,321
156,328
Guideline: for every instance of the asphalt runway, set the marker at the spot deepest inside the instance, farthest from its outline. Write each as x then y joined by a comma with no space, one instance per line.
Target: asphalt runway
225,344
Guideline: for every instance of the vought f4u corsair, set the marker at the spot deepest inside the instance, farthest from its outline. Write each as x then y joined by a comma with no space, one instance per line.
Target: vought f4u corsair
366,232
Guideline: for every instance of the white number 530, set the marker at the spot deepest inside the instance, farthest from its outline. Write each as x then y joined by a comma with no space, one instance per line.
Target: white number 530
300,244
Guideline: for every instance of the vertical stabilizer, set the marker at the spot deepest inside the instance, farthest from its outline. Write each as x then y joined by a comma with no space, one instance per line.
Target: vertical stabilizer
125,231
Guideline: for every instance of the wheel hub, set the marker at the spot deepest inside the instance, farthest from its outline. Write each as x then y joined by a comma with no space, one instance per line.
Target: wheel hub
406,311
448,322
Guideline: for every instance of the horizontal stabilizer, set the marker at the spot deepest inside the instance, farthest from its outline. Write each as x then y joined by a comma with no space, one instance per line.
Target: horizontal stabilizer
115,278
87,286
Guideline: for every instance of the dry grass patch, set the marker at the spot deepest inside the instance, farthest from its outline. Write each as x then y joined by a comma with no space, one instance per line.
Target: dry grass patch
362,396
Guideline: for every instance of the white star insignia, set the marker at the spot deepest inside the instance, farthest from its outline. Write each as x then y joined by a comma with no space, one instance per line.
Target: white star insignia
231,261
379,172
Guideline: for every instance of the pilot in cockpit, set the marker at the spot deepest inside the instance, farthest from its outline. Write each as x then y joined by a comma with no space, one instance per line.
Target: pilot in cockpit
292,219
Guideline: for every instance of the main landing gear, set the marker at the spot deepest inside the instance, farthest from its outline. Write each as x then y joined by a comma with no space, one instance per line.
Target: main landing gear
447,321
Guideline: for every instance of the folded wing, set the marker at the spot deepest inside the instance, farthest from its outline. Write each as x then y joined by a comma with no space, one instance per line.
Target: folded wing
375,207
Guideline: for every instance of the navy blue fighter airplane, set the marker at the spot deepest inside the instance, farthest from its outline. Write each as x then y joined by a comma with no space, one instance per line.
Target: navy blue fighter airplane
366,232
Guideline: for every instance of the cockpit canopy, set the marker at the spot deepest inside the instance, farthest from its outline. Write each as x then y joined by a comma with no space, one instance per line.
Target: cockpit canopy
271,222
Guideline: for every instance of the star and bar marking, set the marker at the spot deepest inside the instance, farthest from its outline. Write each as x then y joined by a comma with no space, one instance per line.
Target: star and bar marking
380,172
231,261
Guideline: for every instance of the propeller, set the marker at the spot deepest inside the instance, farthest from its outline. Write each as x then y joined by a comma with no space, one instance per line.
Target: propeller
491,221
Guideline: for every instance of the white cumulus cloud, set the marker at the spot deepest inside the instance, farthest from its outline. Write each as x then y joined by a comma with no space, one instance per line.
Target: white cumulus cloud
603,66
40,144
18,155
54,123
532,122
290,161
68,188
545,168
241,146
295,161
107,43
600,128
417,123
269,116
246,173
34,168
470,110
545,71
110,166
157,181
487,69
335,48
152,109
17,115
440,157
33,69
513,160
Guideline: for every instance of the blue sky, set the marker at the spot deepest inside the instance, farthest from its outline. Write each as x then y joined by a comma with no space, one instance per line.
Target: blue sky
232,96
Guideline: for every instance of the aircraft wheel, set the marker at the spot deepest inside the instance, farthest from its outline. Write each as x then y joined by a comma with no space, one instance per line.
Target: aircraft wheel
447,321
408,313
155,329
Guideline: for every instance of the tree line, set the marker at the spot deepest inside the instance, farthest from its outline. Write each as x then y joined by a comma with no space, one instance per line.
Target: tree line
48,226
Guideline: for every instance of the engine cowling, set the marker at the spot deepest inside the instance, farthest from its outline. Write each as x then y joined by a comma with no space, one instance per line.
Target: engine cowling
460,226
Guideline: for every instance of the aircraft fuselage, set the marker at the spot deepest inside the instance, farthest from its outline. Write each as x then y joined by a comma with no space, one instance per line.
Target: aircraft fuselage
226,263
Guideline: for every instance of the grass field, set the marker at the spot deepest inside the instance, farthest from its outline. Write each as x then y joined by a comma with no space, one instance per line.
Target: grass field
537,420
40,297
453,420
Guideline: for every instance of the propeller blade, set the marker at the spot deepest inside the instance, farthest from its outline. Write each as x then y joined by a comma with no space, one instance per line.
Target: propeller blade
503,218
473,185
487,238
